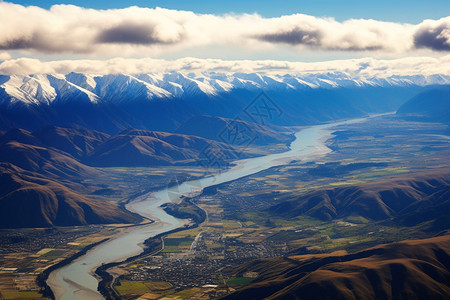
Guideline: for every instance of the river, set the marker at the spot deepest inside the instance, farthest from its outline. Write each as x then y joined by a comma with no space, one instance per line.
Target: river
76,280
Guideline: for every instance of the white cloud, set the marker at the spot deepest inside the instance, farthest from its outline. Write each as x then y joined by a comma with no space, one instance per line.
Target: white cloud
328,34
364,67
4,56
25,66
138,31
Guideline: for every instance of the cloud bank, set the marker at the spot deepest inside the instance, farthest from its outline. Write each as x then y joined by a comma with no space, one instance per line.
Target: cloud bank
364,67
433,35
138,31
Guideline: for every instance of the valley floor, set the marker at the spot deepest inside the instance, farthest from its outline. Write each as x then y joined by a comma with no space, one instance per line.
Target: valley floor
242,222
240,225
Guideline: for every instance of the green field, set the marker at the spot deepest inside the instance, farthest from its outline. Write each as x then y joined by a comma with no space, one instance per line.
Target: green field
178,241
20,295
51,255
141,287
171,250
239,281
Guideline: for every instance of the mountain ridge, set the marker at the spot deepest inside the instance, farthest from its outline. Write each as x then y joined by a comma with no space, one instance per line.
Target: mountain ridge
44,89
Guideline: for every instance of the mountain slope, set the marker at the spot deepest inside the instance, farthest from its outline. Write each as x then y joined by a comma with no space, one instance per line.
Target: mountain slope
19,135
149,148
415,269
377,200
37,187
220,129
431,105
28,199
43,160
77,142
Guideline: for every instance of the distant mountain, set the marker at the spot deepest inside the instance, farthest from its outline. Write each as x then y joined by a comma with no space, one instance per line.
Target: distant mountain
412,199
152,148
414,269
234,131
163,102
119,88
431,105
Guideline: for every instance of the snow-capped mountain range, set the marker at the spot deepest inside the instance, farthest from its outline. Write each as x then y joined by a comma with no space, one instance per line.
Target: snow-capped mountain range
45,89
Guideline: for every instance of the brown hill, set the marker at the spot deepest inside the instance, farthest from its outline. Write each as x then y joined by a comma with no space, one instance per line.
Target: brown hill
146,148
37,187
28,199
77,142
18,135
415,269
43,160
395,197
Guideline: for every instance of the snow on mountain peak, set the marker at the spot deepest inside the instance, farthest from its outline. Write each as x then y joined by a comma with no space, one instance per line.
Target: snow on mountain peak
33,89
120,88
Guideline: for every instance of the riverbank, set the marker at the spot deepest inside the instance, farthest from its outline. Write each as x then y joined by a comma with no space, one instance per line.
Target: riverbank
41,279
153,245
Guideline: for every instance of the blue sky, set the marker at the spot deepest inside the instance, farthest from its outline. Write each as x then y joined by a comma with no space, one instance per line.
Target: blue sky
409,11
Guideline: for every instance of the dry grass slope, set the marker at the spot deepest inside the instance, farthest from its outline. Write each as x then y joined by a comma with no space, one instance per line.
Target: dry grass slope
414,269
